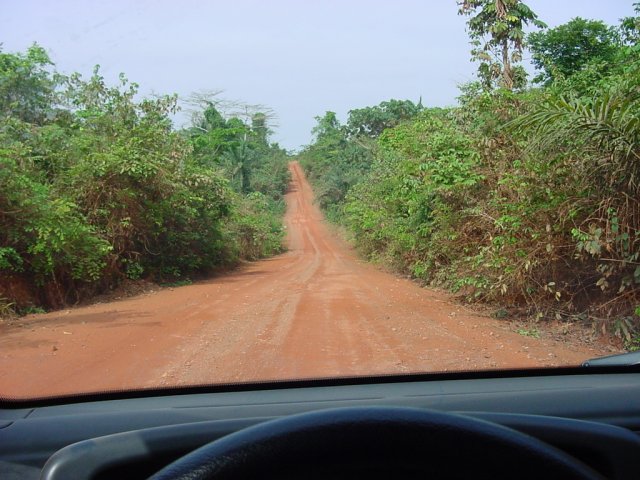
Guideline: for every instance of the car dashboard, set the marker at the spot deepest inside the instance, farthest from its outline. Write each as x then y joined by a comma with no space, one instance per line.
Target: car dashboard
593,415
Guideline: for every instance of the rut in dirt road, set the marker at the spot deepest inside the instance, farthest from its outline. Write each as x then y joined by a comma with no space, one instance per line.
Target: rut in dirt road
315,311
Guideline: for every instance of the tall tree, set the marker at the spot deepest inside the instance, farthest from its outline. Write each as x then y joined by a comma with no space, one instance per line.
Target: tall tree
26,84
212,135
328,127
566,49
259,127
496,28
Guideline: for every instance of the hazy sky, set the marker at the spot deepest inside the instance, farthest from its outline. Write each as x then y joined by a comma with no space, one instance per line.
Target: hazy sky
300,57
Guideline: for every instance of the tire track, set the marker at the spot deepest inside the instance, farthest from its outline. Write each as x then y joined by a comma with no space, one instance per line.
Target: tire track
314,311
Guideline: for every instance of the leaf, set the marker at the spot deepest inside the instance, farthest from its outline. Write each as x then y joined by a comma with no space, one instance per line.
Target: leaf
602,283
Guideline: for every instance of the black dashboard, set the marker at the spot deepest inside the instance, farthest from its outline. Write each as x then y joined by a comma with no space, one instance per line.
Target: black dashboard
594,417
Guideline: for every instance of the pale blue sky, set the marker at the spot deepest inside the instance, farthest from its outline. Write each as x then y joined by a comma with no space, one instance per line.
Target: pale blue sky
300,57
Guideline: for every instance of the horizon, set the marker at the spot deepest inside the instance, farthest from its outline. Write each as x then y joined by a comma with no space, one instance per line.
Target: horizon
300,59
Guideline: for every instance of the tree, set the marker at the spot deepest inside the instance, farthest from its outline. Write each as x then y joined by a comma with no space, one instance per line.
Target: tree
630,27
566,49
503,21
372,121
259,127
328,126
212,136
26,85
238,162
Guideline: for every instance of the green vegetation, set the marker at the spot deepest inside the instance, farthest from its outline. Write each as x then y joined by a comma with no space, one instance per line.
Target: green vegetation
525,196
533,333
96,186
565,50
497,36
343,154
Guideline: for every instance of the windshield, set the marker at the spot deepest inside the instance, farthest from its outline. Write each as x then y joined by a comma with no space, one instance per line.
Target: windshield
205,193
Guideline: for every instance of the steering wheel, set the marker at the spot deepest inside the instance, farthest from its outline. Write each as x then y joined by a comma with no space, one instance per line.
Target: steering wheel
382,442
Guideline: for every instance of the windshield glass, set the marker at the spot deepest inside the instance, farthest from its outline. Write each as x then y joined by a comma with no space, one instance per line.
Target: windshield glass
203,193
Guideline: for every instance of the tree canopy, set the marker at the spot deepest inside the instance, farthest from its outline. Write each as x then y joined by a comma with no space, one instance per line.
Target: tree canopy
372,121
568,48
496,29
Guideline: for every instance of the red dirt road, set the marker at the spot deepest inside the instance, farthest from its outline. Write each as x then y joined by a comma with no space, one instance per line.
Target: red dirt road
315,311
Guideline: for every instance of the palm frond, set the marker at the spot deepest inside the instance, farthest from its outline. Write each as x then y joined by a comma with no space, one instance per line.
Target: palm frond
607,126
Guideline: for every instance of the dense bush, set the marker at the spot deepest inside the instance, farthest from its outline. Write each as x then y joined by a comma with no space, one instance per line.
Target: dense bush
96,185
528,198
341,155
418,185
44,235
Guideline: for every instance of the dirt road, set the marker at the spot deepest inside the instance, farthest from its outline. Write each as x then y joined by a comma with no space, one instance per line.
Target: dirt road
314,311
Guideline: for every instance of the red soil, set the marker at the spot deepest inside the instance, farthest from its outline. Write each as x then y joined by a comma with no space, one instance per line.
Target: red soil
315,311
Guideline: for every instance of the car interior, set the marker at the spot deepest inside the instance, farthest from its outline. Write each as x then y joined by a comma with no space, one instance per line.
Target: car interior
512,185
561,423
